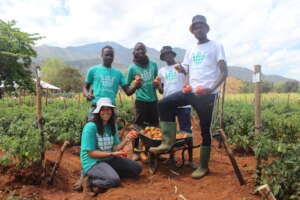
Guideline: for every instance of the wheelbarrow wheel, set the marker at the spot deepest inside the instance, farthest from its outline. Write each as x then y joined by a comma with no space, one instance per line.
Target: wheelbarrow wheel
153,162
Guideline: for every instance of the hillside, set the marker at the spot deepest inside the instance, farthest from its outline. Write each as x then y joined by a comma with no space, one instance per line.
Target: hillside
82,57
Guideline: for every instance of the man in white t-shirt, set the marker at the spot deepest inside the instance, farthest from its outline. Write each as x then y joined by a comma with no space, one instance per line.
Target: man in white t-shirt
206,68
170,82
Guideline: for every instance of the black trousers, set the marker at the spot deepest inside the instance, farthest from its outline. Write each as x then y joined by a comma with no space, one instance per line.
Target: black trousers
203,105
146,113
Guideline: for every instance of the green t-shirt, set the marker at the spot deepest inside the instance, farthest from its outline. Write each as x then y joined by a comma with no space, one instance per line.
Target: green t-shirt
105,82
91,140
147,92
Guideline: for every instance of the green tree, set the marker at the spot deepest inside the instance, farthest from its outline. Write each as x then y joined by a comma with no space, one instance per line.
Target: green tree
288,86
267,87
16,51
70,80
51,68
58,73
247,87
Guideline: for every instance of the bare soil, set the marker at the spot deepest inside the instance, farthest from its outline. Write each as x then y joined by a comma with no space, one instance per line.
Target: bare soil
220,184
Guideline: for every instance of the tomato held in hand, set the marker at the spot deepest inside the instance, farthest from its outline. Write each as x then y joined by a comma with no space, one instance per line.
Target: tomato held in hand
199,90
138,79
177,67
158,79
133,133
187,89
124,153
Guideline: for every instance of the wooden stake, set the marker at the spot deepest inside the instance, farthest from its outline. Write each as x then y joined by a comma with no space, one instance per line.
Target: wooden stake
222,125
266,192
231,157
39,109
257,73
58,159
20,97
257,81
47,92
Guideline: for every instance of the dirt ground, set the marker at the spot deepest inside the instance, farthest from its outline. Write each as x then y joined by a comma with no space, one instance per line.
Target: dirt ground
221,183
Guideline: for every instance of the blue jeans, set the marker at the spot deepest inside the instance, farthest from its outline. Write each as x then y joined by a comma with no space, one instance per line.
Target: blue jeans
184,119
90,115
202,104
107,174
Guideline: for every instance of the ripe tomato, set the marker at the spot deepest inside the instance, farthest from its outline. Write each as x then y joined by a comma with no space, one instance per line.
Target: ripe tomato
137,79
124,153
199,90
187,89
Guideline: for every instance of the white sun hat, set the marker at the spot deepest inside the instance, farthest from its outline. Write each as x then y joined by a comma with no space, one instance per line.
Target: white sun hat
103,102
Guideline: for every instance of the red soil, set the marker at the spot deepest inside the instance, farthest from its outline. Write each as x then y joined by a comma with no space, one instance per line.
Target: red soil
221,183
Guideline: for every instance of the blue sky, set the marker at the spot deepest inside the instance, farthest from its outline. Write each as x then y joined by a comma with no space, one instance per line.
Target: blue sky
265,32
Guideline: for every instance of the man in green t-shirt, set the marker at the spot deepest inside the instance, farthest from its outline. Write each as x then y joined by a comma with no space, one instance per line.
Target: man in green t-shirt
146,97
104,80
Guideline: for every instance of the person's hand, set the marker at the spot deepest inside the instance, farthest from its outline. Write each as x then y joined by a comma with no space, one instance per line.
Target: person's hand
187,89
131,135
179,68
138,81
156,82
137,85
90,97
120,153
202,90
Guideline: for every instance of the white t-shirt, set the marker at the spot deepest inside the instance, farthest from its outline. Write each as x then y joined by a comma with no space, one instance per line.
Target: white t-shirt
172,80
202,63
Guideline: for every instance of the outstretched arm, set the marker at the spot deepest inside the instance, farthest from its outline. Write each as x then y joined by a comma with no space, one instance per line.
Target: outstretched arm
129,90
86,93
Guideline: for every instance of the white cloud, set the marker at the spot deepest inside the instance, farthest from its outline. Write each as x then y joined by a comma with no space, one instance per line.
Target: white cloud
252,31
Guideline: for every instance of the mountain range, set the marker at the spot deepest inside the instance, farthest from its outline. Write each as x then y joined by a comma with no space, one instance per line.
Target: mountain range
85,56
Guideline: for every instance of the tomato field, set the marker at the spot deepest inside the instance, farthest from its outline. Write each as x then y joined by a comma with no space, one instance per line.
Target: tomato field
278,145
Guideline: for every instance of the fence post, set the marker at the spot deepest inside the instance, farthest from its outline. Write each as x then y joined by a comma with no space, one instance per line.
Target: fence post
47,93
258,128
39,109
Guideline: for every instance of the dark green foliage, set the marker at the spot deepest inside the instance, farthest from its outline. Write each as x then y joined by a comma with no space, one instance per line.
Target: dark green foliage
15,56
278,145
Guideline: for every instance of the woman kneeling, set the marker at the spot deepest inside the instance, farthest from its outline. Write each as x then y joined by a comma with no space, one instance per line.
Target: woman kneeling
102,158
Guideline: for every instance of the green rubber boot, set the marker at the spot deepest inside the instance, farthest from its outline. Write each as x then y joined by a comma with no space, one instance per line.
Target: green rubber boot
204,159
168,130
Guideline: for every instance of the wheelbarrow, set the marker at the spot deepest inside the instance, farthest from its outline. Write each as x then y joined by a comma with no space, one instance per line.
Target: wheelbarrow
182,144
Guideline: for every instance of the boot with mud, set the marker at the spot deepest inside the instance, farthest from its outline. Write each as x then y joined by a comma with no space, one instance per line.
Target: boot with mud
204,159
168,130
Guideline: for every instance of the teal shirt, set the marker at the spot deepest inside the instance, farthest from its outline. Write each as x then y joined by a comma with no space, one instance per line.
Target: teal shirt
147,92
105,82
91,140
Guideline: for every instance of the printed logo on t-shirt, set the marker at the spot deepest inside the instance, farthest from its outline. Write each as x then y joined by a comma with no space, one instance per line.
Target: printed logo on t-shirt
198,57
107,83
146,75
171,76
105,142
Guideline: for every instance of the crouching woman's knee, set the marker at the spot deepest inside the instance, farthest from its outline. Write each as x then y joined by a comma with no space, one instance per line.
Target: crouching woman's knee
113,181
